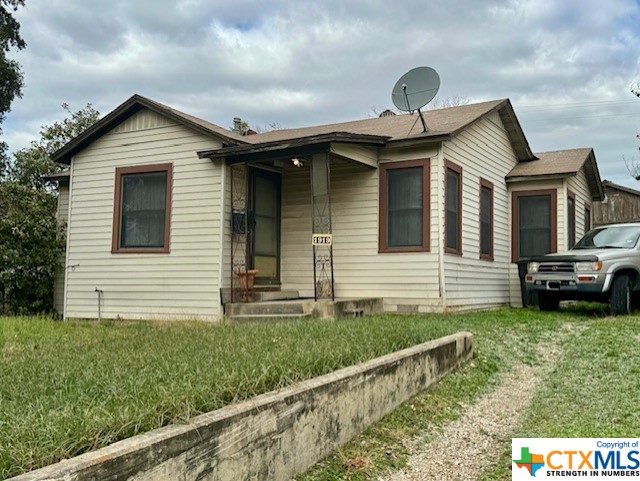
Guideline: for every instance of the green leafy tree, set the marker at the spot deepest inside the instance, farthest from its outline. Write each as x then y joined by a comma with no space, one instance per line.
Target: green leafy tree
30,242
32,163
11,79
31,238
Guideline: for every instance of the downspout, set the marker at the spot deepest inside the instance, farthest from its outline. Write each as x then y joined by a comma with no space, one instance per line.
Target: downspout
440,206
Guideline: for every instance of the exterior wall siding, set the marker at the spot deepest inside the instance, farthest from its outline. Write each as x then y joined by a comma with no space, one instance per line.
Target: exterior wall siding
62,215
406,281
483,151
181,285
579,186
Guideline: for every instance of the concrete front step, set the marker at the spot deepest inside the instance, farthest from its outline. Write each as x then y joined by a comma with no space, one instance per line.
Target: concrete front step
242,318
281,308
265,296
302,308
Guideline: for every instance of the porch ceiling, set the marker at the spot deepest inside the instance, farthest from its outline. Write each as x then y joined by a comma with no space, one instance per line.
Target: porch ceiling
300,147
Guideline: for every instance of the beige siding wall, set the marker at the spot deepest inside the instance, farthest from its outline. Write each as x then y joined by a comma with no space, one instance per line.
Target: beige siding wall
483,151
406,281
62,214
579,186
181,285
559,185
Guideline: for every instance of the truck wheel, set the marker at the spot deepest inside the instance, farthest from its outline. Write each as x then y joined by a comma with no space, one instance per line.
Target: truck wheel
621,295
548,301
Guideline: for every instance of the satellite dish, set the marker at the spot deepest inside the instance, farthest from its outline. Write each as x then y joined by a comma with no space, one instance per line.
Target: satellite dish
415,89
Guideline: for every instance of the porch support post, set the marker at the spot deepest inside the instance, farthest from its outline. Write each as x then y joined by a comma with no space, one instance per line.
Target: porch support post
321,224
239,248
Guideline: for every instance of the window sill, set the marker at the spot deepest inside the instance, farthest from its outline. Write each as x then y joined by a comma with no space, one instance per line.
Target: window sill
448,250
161,250
485,257
400,250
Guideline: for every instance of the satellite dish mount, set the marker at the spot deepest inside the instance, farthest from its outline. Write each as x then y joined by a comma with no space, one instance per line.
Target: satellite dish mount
415,89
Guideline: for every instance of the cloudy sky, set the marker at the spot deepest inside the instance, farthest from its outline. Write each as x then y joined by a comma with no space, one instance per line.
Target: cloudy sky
566,65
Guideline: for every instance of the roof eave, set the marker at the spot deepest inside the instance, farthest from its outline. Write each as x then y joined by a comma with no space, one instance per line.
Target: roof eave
597,193
236,153
63,176
409,141
524,178
121,113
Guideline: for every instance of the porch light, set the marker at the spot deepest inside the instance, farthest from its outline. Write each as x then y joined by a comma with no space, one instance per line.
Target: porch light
297,162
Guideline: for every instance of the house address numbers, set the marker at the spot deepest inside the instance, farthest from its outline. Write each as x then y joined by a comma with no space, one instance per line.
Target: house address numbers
322,239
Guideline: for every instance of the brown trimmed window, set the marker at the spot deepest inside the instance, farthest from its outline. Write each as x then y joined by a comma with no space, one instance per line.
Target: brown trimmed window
453,209
486,220
534,224
142,209
587,218
571,219
404,206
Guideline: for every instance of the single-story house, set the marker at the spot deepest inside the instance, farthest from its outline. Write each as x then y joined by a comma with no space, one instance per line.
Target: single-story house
621,204
168,215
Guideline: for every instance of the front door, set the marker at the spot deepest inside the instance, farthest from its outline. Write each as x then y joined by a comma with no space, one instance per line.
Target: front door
264,188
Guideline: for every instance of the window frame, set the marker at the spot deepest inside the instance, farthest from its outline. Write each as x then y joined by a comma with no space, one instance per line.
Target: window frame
571,228
383,210
488,185
450,166
515,219
117,209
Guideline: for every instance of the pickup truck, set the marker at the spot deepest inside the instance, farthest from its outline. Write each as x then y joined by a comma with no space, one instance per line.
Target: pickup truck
604,266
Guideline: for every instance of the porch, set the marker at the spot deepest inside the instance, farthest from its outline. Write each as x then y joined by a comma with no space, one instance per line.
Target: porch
280,229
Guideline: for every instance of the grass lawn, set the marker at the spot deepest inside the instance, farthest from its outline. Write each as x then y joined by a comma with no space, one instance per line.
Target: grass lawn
66,388
592,392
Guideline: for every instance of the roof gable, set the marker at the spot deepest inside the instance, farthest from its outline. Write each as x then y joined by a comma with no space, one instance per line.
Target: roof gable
126,110
562,163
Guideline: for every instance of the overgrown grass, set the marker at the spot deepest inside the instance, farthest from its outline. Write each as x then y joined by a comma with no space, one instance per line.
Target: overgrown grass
67,388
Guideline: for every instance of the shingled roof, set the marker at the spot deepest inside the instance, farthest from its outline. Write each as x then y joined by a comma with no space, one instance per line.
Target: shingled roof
442,124
562,163
395,127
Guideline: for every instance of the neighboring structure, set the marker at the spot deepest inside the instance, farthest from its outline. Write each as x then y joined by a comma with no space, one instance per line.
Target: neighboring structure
621,204
167,212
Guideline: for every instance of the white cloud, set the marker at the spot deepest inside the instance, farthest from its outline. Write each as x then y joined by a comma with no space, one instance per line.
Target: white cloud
302,63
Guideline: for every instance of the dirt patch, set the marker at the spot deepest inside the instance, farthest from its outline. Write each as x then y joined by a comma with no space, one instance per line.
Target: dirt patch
469,446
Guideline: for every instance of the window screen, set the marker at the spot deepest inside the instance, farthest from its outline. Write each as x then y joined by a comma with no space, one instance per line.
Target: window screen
144,202
535,225
486,215
405,207
453,210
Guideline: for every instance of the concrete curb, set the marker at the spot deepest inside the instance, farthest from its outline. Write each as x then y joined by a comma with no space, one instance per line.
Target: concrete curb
275,435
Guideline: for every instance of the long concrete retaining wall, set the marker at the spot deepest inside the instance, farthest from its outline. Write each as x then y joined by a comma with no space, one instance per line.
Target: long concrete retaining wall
275,435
